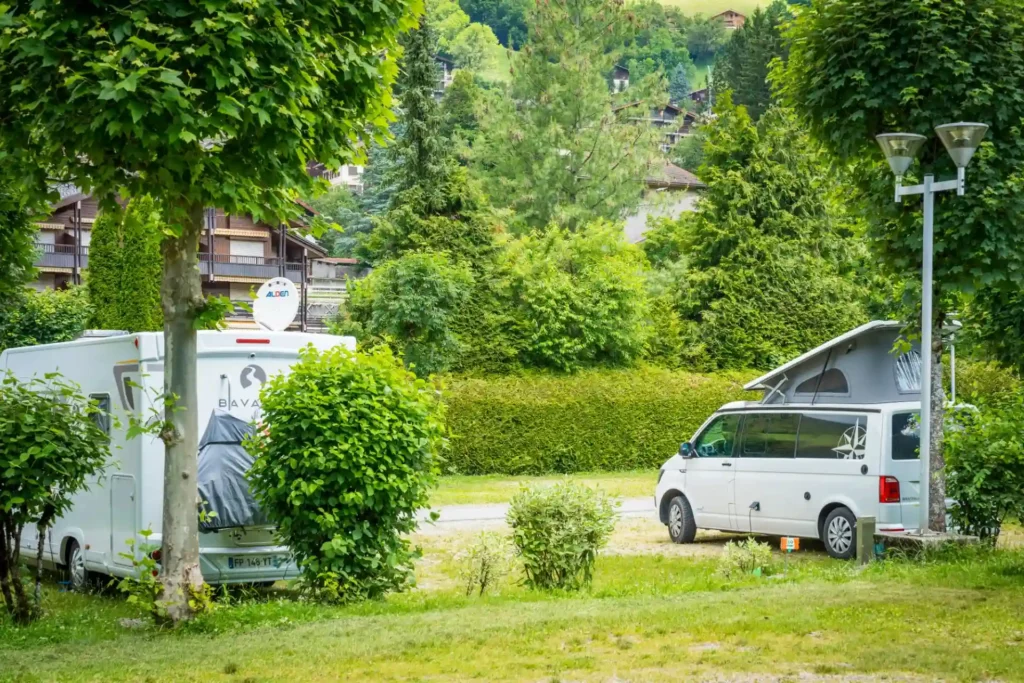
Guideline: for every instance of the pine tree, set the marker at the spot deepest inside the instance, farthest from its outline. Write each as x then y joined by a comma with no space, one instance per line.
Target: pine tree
679,84
743,64
125,268
556,147
422,152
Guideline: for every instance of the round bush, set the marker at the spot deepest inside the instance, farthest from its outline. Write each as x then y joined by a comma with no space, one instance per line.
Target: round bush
558,531
345,456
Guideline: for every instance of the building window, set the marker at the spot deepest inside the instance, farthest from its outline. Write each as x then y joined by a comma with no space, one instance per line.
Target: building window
832,381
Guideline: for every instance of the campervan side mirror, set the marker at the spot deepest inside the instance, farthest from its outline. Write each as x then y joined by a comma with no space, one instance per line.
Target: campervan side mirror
686,449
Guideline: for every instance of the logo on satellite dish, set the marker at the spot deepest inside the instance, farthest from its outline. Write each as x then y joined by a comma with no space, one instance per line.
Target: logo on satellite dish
276,304
255,372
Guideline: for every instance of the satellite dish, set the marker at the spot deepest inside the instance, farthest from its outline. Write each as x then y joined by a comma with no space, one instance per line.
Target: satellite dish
276,304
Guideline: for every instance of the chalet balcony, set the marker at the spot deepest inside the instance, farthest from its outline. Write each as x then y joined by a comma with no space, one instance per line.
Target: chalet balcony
60,256
222,265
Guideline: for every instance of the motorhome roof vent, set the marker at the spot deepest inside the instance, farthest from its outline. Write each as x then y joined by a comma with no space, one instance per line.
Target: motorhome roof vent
100,334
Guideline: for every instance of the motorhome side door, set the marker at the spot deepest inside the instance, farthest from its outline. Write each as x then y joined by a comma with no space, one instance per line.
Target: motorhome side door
122,517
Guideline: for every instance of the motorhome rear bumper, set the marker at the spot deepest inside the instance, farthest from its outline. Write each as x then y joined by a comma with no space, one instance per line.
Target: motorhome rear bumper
234,565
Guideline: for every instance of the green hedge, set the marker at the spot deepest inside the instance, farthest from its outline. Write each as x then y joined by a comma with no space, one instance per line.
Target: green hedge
592,420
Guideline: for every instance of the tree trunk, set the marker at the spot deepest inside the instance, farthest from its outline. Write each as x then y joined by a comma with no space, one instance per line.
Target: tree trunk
937,466
22,608
182,298
5,566
41,527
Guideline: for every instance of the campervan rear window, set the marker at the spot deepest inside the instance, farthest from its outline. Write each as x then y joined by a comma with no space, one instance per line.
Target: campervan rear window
906,436
832,437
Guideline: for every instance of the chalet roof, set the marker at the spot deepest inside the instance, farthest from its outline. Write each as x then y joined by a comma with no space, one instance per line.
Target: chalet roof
674,177
729,12
767,380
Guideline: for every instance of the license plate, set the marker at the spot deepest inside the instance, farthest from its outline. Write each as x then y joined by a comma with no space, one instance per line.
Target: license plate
256,561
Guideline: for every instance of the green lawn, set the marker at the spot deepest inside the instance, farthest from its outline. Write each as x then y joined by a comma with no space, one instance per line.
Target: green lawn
712,7
461,490
648,617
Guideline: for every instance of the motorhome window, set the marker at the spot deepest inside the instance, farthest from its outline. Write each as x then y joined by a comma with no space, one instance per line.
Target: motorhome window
718,440
770,435
832,437
102,417
832,381
906,436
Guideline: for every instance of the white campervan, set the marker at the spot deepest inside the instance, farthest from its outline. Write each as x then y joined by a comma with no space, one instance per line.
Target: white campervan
834,438
124,373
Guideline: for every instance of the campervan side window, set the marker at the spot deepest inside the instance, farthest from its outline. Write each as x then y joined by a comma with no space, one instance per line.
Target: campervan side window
832,437
832,381
102,418
770,435
906,436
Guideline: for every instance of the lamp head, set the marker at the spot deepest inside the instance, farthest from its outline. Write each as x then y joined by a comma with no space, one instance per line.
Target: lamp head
900,150
962,140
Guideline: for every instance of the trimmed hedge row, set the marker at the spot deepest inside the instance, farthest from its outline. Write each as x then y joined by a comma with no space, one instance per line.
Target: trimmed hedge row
589,421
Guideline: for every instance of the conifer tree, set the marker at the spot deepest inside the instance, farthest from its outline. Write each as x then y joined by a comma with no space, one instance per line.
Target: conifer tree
743,64
422,150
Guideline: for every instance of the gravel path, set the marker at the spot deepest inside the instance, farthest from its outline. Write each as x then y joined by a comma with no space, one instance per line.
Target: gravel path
479,517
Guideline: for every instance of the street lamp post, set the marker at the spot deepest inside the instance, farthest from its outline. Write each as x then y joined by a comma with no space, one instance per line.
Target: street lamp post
961,141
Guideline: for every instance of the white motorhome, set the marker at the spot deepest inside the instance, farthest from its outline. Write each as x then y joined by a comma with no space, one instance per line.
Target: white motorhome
124,374
834,438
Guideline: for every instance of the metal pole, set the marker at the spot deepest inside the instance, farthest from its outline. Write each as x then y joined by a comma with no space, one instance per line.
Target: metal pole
952,371
926,350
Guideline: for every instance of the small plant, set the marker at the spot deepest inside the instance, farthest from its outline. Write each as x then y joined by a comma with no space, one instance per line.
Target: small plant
558,531
744,558
486,564
143,586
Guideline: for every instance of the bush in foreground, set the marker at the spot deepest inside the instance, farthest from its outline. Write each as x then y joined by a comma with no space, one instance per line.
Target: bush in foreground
592,420
346,455
558,531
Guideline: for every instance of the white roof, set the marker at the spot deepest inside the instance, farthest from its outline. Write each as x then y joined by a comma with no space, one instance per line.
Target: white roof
760,382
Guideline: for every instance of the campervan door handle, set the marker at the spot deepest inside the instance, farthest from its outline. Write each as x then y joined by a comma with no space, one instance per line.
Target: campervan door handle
726,464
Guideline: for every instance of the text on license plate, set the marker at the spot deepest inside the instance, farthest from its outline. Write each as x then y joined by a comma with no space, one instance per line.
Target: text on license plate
256,561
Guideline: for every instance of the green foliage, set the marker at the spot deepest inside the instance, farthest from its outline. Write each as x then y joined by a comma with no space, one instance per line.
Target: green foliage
50,443
659,43
554,148
44,317
594,420
126,267
772,253
558,531
238,97
507,18
346,456
742,66
422,152
486,563
460,107
679,84
985,466
853,74
743,558
17,246
411,301
705,37
572,299
339,207
688,153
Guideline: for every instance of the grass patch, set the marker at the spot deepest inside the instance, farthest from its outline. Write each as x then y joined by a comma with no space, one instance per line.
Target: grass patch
710,8
497,488
648,617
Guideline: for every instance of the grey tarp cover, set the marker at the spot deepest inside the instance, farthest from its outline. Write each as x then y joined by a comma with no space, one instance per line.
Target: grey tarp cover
223,464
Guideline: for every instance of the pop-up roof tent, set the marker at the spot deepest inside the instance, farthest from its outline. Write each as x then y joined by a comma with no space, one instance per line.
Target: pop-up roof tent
223,465
857,367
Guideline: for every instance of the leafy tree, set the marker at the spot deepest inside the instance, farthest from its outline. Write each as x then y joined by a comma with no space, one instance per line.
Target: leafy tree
45,317
460,107
971,68
340,207
474,47
39,475
17,248
411,301
555,149
771,254
679,84
125,268
688,153
571,300
705,37
742,65
507,18
346,458
195,105
659,41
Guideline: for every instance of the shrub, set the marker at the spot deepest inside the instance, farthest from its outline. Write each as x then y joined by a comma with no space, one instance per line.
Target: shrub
486,564
345,457
50,444
985,466
593,420
411,300
743,558
558,531
45,317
